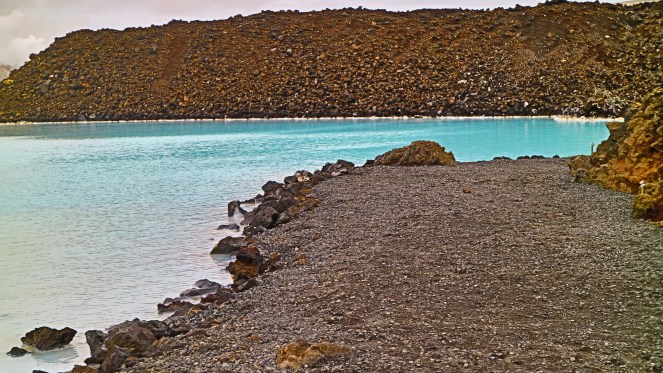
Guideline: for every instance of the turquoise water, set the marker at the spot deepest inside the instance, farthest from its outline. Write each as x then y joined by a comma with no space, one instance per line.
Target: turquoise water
100,222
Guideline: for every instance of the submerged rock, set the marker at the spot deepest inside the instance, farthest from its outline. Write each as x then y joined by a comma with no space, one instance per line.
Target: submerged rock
231,227
45,338
17,352
418,153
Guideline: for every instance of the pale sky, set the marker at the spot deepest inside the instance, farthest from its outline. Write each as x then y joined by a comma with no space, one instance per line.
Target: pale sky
29,26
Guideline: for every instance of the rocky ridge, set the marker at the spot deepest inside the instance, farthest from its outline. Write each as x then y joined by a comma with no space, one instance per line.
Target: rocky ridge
631,159
556,58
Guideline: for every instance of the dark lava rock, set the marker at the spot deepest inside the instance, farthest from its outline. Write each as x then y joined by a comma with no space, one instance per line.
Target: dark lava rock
84,369
115,359
232,207
174,306
221,296
229,245
17,352
231,227
205,283
264,218
45,338
248,263
197,292
130,335
96,339
418,153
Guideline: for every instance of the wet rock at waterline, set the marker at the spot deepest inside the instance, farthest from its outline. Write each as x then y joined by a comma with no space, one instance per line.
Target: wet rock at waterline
45,338
95,340
230,245
17,352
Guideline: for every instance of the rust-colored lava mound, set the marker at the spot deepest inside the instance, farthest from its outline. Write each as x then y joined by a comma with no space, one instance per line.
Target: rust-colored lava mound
557,58
631,159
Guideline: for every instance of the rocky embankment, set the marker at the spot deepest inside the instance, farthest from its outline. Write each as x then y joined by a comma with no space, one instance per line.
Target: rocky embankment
631,159
557,58
491,266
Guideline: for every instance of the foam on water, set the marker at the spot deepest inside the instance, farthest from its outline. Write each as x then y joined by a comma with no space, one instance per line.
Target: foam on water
100,222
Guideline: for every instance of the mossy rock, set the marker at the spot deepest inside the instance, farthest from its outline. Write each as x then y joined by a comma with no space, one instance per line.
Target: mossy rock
645,207
418,153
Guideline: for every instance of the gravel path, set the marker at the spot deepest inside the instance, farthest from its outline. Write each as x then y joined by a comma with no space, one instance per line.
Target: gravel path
489,266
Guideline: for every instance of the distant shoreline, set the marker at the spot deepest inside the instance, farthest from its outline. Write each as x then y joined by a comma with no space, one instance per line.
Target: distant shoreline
557,118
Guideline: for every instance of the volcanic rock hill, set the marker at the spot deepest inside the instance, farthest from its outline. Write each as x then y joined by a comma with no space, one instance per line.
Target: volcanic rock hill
631,159
557,58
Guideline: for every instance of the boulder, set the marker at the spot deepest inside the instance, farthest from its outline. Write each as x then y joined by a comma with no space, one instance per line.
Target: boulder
174,306
264,218
271,189
296,355
114,359
246,285
95,339
197,292
418,153
229,245
230,227
257,199
232,207
130,336
17,352
221,296
205,283
84,369
45,338
248,264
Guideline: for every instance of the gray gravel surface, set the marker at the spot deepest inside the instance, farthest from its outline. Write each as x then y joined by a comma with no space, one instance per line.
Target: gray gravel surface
478,267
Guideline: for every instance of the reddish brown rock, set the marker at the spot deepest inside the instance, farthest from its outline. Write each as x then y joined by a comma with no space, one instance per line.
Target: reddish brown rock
631,159
418,153
132,336
296,355
347,63
45,338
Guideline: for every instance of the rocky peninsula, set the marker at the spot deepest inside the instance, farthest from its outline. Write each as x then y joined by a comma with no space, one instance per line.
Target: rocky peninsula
561,58
508,265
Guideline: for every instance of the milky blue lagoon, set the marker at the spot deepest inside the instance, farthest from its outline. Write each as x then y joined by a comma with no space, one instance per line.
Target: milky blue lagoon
100,222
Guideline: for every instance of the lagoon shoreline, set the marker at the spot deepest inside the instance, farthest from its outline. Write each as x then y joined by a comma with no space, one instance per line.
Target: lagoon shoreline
557,118
501,265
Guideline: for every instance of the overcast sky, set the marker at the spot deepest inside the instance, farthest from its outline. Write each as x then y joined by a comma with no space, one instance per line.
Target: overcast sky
29,26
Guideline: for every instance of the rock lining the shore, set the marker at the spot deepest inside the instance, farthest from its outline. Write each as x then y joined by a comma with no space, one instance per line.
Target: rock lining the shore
631,158
45,338
527,271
